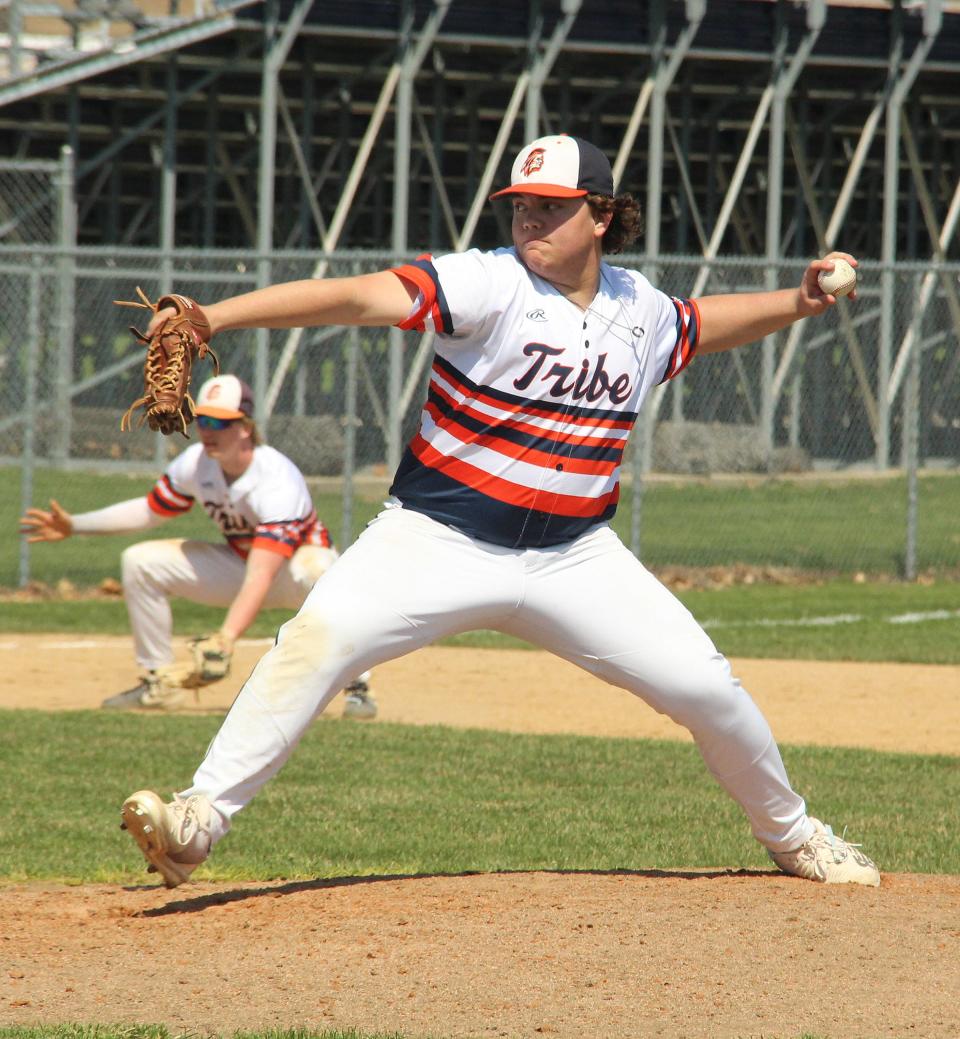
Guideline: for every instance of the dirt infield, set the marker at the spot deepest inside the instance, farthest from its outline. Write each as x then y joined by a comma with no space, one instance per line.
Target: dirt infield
694,954
886,706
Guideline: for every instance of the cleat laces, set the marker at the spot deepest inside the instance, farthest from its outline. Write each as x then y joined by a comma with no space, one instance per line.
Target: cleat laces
185,813
838,845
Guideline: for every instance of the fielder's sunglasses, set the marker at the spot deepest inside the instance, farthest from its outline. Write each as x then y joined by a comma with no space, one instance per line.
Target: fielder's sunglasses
209,422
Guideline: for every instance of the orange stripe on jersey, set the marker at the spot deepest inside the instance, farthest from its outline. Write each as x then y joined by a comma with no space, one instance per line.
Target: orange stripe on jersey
165,501
688,325
281,548
504,490
424,283
560,436
422,275
286,536
534,456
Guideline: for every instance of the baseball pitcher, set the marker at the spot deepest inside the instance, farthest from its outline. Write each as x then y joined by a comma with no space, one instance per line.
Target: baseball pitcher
500,509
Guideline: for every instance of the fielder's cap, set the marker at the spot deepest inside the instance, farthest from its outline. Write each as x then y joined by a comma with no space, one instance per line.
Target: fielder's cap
560,167
225,396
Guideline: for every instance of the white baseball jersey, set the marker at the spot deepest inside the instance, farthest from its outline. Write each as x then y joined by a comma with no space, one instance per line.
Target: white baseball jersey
269,506
505,490
532,398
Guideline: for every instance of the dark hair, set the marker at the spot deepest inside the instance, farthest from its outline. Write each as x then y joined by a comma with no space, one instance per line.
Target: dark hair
626,223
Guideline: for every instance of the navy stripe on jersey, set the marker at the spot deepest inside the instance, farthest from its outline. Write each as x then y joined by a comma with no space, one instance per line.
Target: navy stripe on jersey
425,264
288,535
166,500
550,443
687,324
283,536
240,542
277,533
445,499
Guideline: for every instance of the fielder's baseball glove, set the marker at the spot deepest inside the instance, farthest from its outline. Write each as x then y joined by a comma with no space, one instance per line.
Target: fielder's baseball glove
211,661
171,352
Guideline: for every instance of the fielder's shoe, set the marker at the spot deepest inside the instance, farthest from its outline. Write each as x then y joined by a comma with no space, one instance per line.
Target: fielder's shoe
828,859
153,693
174,838
359,701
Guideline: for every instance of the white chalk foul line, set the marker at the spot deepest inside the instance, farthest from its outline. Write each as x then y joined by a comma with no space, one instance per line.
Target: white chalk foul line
930,615
837,618
99,644
788,622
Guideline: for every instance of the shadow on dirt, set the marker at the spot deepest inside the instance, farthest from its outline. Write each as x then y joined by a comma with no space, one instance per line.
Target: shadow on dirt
209,899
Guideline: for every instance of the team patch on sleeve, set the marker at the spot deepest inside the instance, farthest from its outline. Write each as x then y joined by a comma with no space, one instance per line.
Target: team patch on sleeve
166,500
688,334
432,314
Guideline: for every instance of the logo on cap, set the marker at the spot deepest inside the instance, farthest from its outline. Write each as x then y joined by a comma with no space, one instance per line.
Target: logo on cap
533,162
225,396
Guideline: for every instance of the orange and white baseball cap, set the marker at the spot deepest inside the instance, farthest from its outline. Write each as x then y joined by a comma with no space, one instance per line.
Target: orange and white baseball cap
225,396
560,167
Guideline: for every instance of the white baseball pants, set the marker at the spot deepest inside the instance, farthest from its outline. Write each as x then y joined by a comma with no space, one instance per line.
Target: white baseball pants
409,580
202,572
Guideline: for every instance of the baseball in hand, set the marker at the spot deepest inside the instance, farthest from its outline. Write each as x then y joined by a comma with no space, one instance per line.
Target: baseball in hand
840,281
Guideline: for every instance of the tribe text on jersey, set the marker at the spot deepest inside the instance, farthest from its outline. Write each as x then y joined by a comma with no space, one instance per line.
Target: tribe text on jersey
531,397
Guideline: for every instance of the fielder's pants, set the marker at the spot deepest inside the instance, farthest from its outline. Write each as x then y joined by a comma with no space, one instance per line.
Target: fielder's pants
409,580
199,571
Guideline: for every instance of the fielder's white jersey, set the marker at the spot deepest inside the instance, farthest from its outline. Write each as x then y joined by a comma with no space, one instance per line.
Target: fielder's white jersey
532,398
269,506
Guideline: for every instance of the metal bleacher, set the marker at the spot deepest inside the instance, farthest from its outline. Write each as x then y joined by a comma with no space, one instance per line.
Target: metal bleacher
145,88
50,45
287,134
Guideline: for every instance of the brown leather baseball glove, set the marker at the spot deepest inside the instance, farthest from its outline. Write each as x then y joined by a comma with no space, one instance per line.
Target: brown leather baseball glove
211,661
171,352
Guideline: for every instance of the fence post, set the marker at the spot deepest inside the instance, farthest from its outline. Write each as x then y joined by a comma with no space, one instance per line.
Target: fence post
66,293
911,442
30,407
167,217
350,424
15,29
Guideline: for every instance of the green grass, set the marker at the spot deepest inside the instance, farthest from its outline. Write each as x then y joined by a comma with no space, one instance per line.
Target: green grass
792,622
808,524
407,800
837,620
390,799
837,528
831,526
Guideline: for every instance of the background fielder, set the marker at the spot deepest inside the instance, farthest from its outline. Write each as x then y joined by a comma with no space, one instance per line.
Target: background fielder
500,507
275,548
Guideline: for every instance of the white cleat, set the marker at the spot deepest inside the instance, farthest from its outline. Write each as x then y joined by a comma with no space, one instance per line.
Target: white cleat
828,859
174,838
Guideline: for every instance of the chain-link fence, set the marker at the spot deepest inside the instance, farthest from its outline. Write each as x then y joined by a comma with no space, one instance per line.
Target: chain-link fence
822,397
29,202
